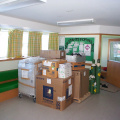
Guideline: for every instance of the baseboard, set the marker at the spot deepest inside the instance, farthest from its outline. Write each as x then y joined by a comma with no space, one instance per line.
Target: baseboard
8,94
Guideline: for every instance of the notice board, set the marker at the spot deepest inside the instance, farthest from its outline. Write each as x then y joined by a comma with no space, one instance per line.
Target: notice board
80,45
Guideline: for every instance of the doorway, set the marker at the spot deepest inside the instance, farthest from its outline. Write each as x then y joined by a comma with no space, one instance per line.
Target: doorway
113,62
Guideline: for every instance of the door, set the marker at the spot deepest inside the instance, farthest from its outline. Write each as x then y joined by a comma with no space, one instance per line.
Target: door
113,64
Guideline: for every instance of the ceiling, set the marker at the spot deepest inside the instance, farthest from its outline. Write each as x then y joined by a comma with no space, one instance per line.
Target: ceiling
105,12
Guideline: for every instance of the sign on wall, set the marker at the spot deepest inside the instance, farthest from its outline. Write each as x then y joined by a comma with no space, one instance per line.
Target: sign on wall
80,45
87,49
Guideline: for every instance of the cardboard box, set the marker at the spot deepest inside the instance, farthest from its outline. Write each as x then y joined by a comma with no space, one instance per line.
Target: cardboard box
39,66
78,65
54,54
64,70
40,72
56,93
75,58
81,83
50,67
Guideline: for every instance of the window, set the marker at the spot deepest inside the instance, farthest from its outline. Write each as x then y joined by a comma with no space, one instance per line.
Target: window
114,53
45,39
25,44
4,34
3,43
116,47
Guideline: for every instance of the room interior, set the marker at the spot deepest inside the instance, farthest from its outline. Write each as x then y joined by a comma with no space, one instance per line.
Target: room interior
70,19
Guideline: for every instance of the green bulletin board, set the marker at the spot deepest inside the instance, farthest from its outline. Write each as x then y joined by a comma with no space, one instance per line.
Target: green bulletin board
78,45
61,47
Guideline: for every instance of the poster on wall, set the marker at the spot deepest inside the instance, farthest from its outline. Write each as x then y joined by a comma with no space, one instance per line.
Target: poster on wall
80,45
87,49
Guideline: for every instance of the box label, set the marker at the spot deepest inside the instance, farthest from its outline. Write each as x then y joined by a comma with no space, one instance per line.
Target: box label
24,74
48,81
48,101
85,73
45,63
44,72
69,81
39,78
61,98
52,68
70,90
48,92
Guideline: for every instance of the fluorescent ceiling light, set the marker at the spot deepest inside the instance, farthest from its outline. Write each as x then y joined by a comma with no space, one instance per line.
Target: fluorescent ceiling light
6,5
75,22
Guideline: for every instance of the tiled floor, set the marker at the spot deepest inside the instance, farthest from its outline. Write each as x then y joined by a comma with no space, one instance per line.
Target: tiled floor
103,106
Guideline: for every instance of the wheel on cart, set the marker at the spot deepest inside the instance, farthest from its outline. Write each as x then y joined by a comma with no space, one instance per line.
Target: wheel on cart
20,95
34,100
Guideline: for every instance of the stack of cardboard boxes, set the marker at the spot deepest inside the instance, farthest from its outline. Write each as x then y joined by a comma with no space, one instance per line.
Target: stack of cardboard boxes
53,88
63,79
77,61
50,67
81,76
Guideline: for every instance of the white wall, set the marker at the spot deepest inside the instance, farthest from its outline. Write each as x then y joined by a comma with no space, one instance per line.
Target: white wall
6,21
80,29
90,29
109,29
8,65
104,51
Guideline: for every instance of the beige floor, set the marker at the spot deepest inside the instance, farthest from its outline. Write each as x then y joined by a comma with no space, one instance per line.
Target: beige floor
103,106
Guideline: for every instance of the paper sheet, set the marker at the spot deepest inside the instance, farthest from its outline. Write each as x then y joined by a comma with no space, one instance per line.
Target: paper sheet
44,72
24,74
70,90
48,81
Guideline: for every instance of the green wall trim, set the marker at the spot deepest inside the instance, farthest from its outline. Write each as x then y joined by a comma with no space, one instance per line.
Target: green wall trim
8,75
8,86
